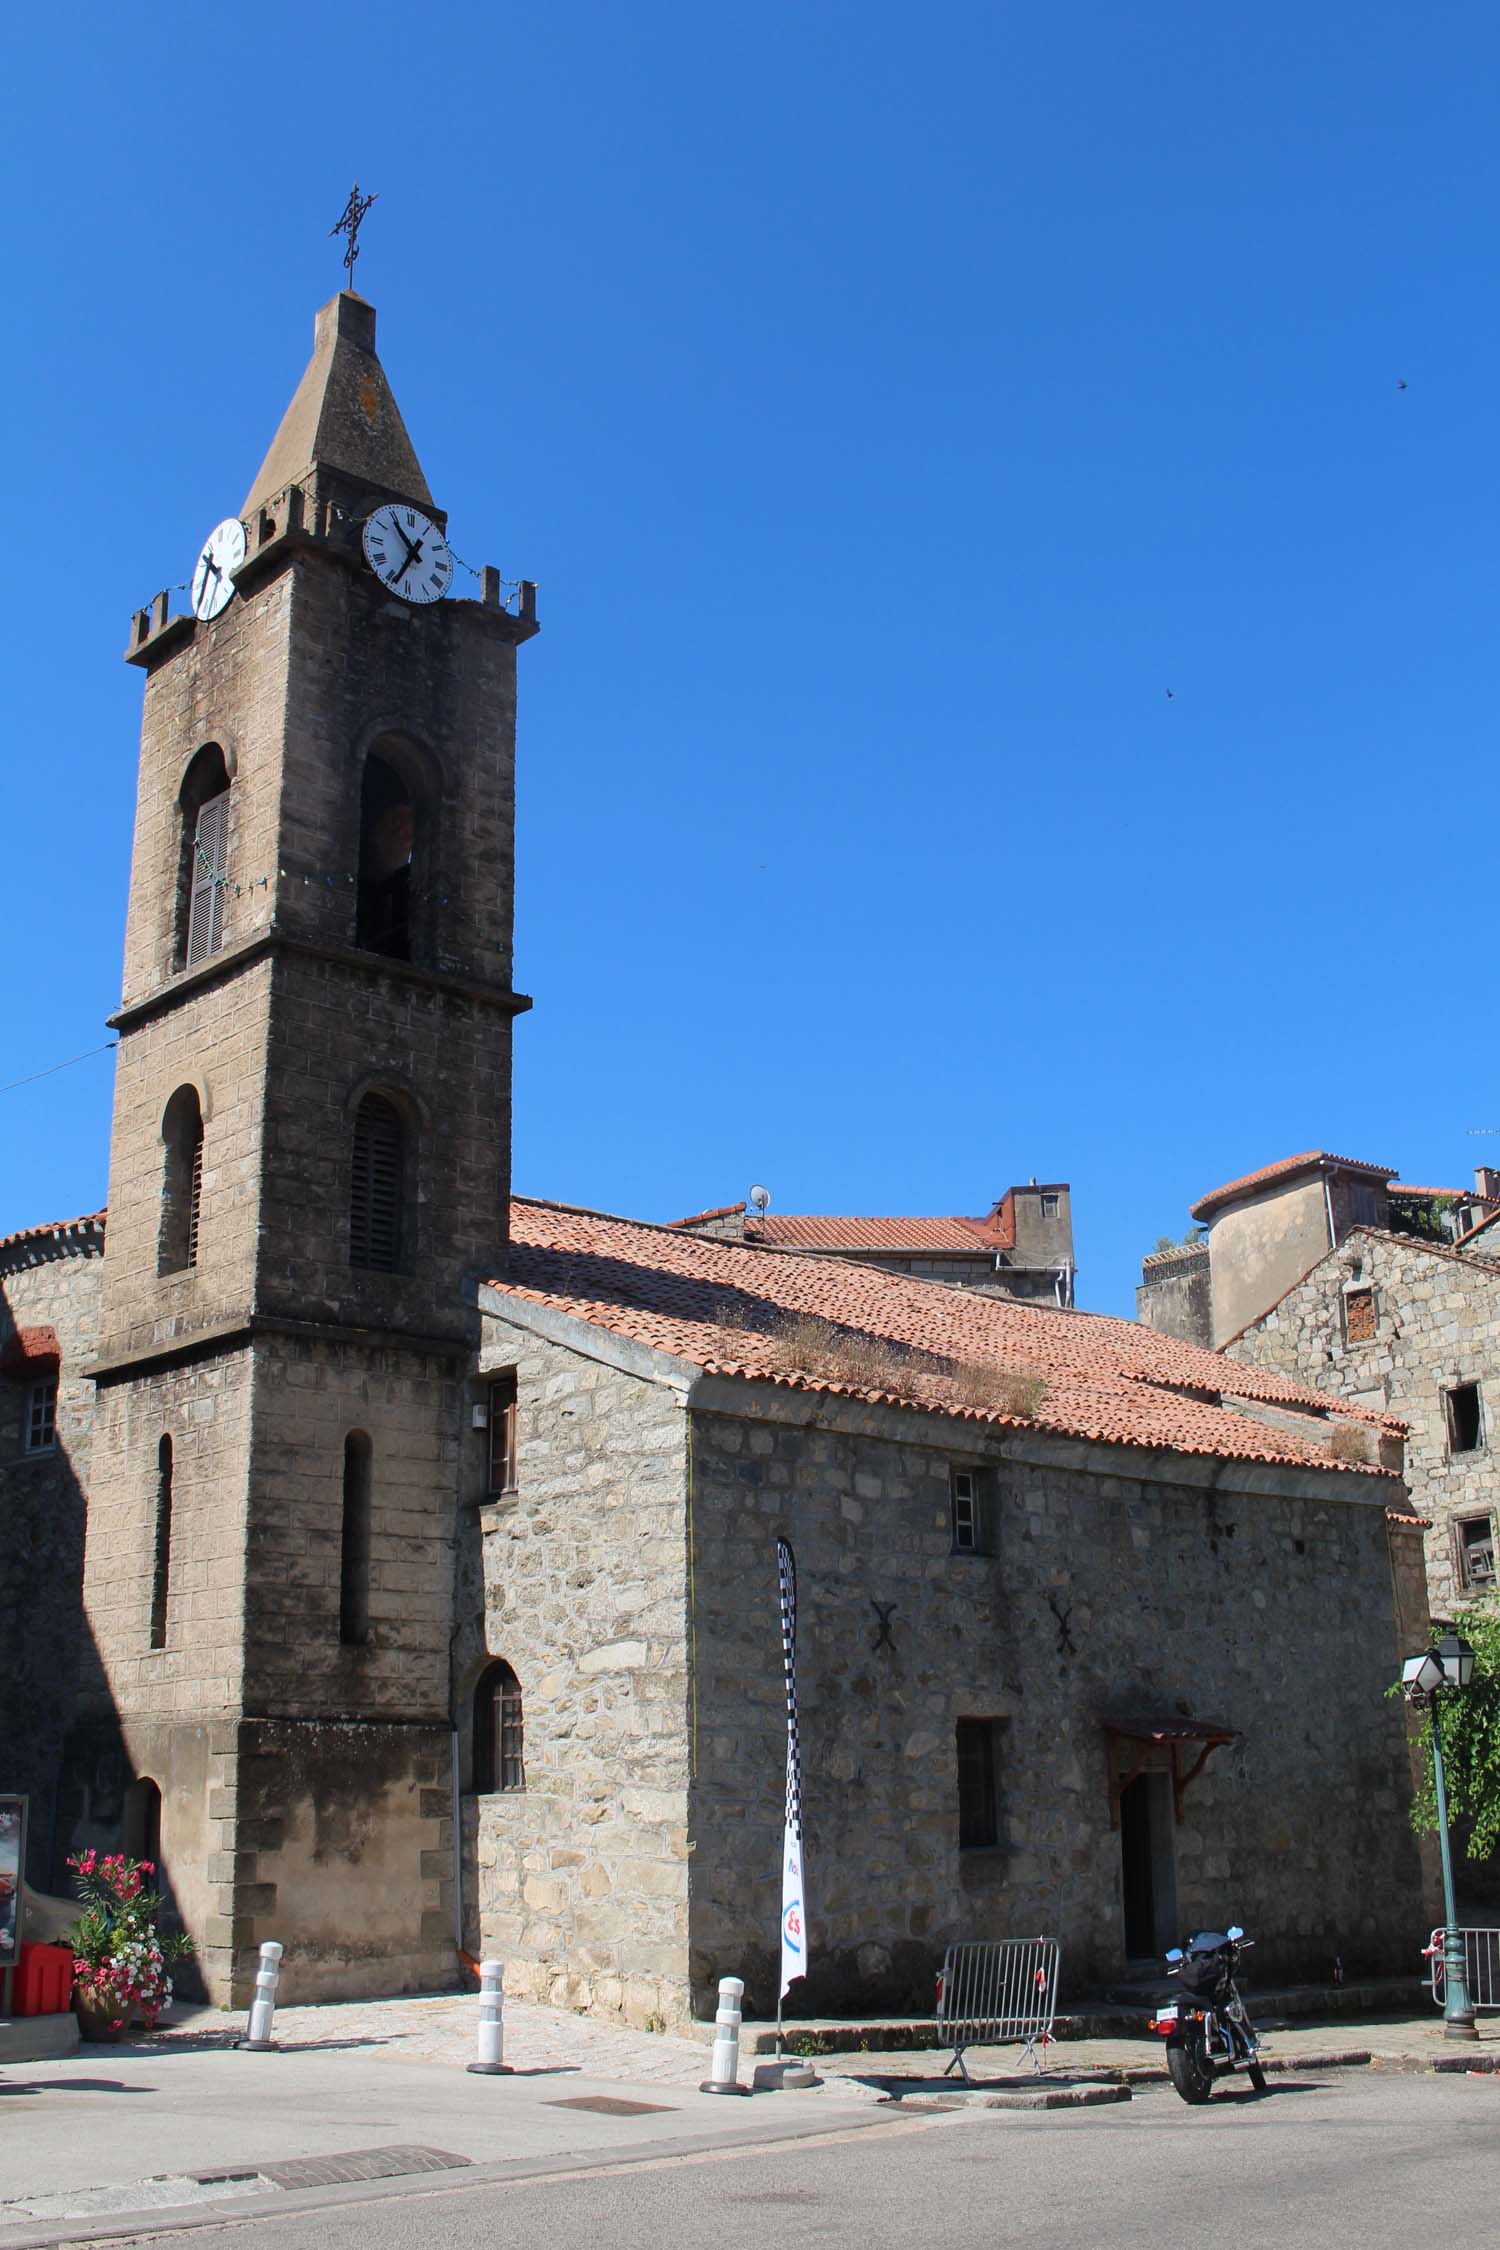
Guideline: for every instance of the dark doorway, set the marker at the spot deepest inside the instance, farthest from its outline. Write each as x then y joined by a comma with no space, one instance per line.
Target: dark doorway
1147,1865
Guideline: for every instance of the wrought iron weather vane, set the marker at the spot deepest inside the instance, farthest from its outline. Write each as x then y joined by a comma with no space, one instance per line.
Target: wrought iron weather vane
350,223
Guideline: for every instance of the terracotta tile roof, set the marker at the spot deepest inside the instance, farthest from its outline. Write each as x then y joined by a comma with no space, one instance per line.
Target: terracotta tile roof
1283,1169
721,1306
838,1233
52,1230
697,1218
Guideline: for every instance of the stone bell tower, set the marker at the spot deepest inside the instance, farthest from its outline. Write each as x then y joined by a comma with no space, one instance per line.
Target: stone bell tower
309,1176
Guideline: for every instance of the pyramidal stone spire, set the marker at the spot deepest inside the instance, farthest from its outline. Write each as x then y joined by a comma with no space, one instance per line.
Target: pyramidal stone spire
342,436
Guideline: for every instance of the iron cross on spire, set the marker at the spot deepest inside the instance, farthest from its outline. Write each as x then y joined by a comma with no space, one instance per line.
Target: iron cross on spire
350,223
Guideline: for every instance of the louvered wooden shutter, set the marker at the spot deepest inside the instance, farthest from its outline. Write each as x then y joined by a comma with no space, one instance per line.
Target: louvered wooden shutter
206,896
195,1198
375,1200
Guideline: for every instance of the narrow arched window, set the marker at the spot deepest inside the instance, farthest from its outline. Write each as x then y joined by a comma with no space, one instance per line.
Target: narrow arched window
377,1188
161,1544
203,880
140,1835
387,853
181,1182
499,1749
354,1543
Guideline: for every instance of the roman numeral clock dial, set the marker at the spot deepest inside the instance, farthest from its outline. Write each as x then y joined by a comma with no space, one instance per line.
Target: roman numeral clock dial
408,553
219,558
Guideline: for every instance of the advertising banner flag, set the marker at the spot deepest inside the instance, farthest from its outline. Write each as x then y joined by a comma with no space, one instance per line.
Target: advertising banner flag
793,1903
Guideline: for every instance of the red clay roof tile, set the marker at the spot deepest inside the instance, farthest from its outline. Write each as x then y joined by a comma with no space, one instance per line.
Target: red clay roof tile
725,1307
1283,1169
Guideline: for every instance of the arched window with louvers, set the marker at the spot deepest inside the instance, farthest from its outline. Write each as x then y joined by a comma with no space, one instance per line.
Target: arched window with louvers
181,1183
378,1221
203,871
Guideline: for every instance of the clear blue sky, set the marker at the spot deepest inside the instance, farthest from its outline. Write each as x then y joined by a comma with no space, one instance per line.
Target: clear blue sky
894,406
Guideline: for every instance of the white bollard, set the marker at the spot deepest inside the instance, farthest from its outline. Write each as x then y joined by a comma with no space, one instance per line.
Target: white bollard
263,2007
725,2067
490,2062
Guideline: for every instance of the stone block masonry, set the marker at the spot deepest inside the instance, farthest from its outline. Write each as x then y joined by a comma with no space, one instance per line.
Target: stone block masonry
1426,1322
579,1580
1114,1582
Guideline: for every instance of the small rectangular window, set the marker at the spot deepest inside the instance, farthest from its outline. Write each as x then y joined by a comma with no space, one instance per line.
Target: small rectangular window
1359,1316
978,1790
1049,1206
1476,1553
41,1416
1362,1205
1465,1423
503,1434
964,1489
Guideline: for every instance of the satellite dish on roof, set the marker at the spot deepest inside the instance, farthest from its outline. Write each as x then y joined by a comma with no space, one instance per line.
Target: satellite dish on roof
761,1198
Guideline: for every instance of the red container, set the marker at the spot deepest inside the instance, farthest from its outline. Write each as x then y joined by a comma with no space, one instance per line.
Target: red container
43,1980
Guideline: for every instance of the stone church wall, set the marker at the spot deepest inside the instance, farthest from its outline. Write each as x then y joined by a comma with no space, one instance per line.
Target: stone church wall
579,1881
1170,1587
43,1498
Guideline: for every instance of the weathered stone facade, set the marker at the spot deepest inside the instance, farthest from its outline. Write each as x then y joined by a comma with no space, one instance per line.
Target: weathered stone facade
49,1282
579,1580
630,1583
1176,1293
1433,1317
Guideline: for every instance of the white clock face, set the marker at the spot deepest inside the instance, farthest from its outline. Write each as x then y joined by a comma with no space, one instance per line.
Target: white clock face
213,572
408,553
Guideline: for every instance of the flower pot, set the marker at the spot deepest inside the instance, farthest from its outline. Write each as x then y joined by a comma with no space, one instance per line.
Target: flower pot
102,2025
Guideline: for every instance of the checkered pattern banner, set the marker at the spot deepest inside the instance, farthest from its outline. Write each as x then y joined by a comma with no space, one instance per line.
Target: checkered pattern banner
793,1909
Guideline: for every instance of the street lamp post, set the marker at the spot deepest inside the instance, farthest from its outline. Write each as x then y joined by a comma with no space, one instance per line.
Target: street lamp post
1423,1678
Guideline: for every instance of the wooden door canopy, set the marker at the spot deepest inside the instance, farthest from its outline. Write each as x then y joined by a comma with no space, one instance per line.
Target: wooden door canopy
1131,1741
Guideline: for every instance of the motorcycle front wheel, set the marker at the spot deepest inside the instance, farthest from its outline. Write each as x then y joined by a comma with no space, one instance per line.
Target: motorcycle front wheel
1187,2060
1257,2078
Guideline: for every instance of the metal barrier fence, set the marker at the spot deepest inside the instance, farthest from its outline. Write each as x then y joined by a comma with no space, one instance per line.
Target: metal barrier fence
998,1995
1481,1966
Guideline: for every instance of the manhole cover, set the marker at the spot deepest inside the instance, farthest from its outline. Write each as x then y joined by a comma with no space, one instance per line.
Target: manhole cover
333,2171
610,2105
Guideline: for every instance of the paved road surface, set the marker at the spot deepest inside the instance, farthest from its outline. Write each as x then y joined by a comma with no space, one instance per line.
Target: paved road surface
1353,2159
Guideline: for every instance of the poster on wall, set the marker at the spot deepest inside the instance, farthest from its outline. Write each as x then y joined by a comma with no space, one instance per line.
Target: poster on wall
12,1861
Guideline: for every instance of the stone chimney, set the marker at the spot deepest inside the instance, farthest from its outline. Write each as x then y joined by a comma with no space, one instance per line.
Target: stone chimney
1487,1182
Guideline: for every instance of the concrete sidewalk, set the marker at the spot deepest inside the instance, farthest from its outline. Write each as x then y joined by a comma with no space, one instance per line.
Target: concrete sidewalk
90,2145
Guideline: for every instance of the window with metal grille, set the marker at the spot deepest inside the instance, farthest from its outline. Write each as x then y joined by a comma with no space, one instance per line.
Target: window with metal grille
161,1544
1359,1316
1049,1206
499,1759
978,1792
503,1433
1462,1415
1476,1552
377,1189
963,1488
182,1182
209,879
41,1415
354,1543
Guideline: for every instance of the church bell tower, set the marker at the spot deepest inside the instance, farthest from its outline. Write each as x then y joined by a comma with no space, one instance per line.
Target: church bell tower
309,1177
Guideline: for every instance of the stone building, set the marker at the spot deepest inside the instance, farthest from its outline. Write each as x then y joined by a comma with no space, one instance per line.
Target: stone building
1264,1231
402,1569
1022,1248
1409,1328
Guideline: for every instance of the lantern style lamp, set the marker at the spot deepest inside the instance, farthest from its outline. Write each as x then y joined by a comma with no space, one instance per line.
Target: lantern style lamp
1445,1670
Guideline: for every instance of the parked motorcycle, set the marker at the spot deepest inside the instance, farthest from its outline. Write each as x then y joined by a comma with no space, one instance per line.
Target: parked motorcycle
1207,2031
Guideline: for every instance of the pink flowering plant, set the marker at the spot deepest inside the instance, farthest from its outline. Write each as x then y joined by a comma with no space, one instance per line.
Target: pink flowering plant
121,1960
